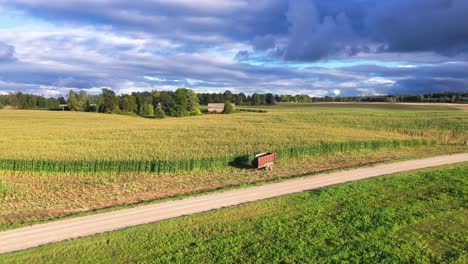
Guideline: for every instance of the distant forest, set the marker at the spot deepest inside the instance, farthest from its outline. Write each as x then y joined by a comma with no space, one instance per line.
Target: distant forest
185,102
269,99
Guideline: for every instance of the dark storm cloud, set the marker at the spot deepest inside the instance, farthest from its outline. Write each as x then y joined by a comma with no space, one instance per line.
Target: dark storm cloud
263,42
420,25
314,29
452,70
323,29
428,85
313,37
424,79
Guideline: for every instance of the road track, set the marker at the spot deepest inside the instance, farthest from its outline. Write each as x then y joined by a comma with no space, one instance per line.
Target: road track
41,234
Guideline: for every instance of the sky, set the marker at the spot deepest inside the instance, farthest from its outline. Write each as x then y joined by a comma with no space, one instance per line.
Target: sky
313,47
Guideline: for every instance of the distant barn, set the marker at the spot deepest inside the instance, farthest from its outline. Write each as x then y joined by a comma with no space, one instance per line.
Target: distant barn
218,108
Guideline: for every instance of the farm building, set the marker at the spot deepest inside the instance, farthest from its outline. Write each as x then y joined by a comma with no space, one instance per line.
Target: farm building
218,108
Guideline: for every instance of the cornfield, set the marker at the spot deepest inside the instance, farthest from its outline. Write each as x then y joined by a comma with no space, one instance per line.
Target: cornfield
82,142
54,163
195,164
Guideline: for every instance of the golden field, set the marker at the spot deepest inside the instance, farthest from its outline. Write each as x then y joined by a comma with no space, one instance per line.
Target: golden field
32,196
90,136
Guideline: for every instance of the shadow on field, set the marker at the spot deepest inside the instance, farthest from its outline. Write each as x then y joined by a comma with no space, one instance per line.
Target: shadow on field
242,162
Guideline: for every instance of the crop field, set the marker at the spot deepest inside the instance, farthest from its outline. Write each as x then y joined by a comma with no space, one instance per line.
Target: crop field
54,164
415,217
27,197
84,142
377,106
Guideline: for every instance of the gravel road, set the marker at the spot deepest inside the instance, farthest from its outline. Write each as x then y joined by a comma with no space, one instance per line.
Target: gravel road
36,235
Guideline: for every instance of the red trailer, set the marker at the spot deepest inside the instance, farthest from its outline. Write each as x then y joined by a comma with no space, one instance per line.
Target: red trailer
264,160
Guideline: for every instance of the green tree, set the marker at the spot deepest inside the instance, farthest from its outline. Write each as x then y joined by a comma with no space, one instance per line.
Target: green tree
52,103
302,98
1,106
167,101
258,99
228,109
73,103
270,99
182,103
240,98
82,97
108,101
159,112
147,110
227,95
286,98
30,102
193,103
128,103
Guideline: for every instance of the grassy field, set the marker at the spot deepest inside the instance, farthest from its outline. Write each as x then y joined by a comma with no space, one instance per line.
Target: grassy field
416,217
45,137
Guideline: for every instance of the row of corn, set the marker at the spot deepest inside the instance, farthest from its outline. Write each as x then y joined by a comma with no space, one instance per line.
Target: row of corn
195,164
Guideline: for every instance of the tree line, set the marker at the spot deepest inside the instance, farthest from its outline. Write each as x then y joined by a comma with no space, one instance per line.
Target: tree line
182,102
185,102
448,97
238,99
271,99
254,99
29,101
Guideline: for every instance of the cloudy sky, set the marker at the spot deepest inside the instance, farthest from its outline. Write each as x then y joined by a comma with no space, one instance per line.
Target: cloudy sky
315,47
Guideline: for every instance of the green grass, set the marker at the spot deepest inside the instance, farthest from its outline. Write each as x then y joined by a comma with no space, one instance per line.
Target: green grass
416,217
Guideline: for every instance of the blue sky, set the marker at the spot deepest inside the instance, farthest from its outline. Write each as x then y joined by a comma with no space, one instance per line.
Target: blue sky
314,47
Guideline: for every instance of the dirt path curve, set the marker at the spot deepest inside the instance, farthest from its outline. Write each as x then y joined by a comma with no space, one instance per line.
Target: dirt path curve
36,235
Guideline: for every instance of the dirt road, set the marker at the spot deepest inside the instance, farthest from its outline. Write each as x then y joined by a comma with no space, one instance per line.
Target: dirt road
41,234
